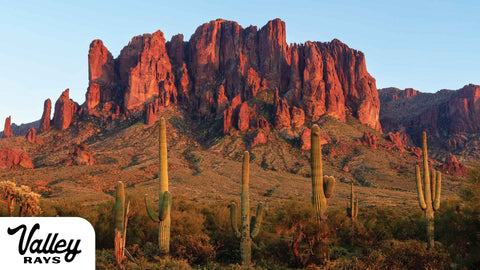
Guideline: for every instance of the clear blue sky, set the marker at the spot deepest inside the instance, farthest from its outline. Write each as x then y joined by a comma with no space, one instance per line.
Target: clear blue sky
427,45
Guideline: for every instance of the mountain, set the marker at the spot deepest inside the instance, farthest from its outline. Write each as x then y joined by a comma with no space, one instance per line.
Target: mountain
450,117
224,70
226,90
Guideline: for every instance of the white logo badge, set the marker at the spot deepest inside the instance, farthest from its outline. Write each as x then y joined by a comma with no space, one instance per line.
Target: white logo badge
47,243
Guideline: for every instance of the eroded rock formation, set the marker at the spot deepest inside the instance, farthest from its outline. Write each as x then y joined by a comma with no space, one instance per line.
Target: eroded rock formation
65,109
45,120
80,155
453,167
7,131
224,65
31,135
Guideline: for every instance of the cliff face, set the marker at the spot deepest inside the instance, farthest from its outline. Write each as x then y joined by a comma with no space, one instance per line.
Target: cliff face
65,109
224,66
444,114
101,75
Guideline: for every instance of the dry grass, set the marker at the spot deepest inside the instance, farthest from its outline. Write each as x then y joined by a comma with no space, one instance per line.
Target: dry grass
210,170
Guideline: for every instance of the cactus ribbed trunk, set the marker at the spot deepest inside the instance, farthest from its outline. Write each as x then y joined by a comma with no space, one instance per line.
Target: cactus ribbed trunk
250,227
164,197
429,193
322,188
164,225
245,241
318,196
119,224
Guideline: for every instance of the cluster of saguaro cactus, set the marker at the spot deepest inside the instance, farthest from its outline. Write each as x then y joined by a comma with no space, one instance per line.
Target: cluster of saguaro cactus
164,198
249,229
322,186
352,209
121,220
28,202
429,193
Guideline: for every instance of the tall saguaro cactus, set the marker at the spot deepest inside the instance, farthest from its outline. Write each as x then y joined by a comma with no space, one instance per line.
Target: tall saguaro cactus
121,220
352,209
164,198
249,229
429,194
322,186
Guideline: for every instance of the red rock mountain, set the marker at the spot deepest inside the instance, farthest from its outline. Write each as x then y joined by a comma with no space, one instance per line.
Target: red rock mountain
444,114
45,120
65,109
222,68
7,131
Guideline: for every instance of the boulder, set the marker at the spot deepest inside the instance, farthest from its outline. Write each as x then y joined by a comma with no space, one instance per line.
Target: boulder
12,159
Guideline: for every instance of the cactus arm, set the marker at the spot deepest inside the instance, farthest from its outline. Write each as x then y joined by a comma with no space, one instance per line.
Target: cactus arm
233,219
165,209
257,221
433,183
421,199
125,224
328,186
150,211
438,189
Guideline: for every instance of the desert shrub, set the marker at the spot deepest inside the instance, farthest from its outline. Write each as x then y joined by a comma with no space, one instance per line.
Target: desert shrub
300,241
189,241
217,226
458,224
411,254
105,260
376,224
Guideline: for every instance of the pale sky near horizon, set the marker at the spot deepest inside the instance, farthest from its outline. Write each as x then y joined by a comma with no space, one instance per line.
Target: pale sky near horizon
426,45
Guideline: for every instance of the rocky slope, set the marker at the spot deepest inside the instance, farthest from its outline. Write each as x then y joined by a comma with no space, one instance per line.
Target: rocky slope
226,90
237,79
451,118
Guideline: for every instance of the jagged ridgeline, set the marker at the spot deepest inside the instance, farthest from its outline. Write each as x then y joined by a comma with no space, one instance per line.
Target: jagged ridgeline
219,73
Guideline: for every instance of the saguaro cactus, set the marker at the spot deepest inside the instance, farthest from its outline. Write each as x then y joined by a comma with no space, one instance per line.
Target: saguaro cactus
352,209
429,194
249,229
121,220
164,198
322,186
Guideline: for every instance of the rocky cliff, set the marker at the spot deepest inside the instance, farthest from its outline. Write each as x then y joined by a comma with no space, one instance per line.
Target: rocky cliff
444,114
7,130
223,68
